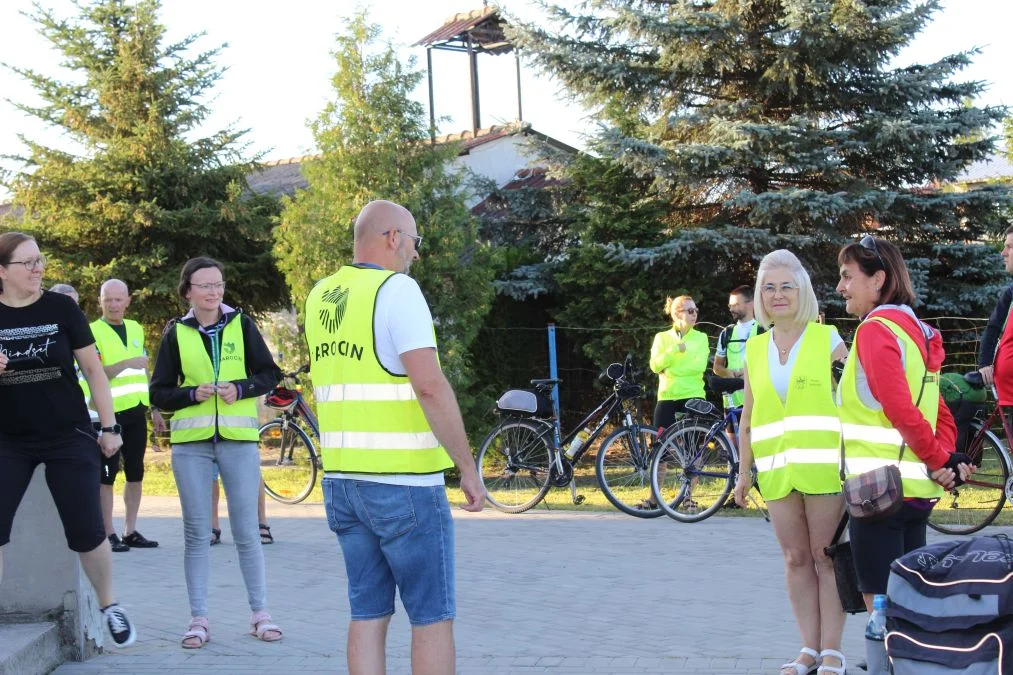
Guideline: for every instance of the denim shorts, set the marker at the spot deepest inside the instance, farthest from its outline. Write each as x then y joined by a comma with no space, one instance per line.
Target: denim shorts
394,537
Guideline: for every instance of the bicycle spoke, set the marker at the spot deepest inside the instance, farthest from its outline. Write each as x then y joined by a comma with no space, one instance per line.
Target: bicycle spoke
514,465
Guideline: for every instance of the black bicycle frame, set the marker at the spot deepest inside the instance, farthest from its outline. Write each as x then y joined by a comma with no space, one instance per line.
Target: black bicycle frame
731,419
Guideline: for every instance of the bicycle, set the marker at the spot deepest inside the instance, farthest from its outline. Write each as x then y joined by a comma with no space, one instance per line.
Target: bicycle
695,466
979,500
289,460
525,454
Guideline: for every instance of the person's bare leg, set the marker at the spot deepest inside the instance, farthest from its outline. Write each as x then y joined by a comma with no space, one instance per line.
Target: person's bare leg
105,494
367,647
823,514
132,504
789,520
215,496
98,567
433,649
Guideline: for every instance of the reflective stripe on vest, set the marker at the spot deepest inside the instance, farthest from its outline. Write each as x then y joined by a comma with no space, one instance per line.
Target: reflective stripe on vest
235,422
870,440
370,419
130,387
796,444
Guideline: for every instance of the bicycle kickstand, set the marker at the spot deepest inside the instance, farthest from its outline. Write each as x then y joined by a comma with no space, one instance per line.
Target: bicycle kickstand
766,514
577,499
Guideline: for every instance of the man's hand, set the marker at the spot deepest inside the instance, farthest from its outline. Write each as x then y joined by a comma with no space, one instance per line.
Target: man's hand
474,491
110,443
228,392
158,422
986,375
203,392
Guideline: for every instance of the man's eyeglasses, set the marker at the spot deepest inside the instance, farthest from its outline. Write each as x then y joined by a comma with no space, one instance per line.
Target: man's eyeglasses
30,264
220,286
417,238
869,242
785,289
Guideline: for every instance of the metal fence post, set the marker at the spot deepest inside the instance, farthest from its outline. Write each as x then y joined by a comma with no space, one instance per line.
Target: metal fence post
553,371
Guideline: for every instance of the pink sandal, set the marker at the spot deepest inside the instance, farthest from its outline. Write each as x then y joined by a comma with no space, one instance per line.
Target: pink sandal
197,634
263,629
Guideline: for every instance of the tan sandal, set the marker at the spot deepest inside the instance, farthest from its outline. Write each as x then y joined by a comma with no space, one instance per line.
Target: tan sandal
263,629
197,634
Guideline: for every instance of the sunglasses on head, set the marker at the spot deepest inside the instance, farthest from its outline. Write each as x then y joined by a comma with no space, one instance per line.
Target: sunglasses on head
869,242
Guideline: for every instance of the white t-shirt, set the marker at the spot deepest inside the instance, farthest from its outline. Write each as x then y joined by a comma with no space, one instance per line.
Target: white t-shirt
402,322
781,374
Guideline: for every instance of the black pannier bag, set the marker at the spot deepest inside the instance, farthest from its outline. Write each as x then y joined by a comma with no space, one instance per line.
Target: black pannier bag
525,403
950,608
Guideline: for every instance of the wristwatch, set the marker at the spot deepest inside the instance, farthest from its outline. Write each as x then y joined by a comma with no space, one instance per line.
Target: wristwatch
114,429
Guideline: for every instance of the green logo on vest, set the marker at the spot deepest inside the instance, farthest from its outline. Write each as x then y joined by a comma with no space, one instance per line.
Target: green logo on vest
229,347
229,352
331,318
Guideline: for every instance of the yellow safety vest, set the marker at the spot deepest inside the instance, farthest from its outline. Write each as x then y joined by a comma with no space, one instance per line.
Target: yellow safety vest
370,419
734,360
130,387
235,422
870,440
795,443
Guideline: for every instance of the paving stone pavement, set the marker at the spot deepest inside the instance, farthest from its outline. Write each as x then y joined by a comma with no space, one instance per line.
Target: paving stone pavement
546,591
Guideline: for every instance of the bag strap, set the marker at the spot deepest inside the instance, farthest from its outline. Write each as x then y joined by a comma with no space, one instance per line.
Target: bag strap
840,529
918,401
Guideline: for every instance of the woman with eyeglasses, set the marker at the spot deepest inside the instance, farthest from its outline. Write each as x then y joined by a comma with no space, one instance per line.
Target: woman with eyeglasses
45,419
212,365
889,402
791,432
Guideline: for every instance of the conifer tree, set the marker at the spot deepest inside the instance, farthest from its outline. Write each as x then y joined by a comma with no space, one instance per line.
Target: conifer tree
138,190
768,123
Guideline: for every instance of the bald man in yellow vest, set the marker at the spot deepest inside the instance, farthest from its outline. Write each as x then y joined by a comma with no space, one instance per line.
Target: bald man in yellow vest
389,427
120,343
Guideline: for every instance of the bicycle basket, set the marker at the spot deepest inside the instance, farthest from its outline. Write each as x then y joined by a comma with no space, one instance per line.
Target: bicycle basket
281,398
525,402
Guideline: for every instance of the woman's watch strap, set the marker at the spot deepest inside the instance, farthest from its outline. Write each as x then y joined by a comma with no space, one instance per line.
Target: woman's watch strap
114,429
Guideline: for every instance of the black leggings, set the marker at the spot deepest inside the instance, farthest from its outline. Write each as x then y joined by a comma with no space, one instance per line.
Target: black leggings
72,470
665,412
876,545
135,442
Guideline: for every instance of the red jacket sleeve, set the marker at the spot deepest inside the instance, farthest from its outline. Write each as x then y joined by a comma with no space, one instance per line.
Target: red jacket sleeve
880,356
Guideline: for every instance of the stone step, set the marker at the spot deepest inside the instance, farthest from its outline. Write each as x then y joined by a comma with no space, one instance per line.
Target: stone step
30,648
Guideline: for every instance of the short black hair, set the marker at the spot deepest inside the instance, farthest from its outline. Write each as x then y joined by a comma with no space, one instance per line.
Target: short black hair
745,291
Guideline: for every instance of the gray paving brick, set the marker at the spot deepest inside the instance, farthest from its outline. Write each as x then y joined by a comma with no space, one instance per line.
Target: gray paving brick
542,592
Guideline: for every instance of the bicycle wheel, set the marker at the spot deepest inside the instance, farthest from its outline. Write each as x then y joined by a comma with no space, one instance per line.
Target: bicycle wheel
514,463
623,469
972,506
288,461
691,473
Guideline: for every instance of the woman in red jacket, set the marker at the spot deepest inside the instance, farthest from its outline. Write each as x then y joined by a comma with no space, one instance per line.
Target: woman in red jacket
892,349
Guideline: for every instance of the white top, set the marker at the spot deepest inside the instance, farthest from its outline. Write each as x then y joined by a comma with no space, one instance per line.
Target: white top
781,374
402,323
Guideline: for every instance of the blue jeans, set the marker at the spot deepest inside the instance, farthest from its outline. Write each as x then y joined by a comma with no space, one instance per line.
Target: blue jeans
239,465
394,536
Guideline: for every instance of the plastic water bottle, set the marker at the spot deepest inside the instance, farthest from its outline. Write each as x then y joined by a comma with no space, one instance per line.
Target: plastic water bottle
577,442
876,628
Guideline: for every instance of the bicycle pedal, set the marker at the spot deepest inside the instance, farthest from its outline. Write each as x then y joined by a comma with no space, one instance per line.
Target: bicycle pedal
579,499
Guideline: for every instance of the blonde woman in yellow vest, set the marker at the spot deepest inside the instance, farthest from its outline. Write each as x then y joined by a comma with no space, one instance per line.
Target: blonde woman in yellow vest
883,404
212,366
791,431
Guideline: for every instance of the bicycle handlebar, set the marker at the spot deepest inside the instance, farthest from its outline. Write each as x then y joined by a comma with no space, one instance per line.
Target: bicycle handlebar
305,368
974,379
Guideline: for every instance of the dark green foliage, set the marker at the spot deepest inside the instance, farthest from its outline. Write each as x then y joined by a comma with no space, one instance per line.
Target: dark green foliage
138,195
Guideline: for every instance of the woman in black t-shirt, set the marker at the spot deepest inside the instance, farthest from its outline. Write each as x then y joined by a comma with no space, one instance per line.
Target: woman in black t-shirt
45,419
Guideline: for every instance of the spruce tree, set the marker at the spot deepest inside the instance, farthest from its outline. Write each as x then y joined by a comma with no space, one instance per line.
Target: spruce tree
766,123
140,191
374,143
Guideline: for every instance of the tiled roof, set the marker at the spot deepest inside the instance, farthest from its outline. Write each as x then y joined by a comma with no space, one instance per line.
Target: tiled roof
996,166
534,179
483,26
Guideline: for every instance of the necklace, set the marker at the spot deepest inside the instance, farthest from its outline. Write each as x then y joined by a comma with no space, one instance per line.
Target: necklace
784,350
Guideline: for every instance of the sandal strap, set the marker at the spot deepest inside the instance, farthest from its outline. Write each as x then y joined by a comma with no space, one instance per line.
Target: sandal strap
838,670
801,668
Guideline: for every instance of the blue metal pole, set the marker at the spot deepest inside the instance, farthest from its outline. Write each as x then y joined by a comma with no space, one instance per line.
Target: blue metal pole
553,371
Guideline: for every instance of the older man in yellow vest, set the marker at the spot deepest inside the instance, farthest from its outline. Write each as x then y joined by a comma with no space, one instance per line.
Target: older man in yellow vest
120,342
389,427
